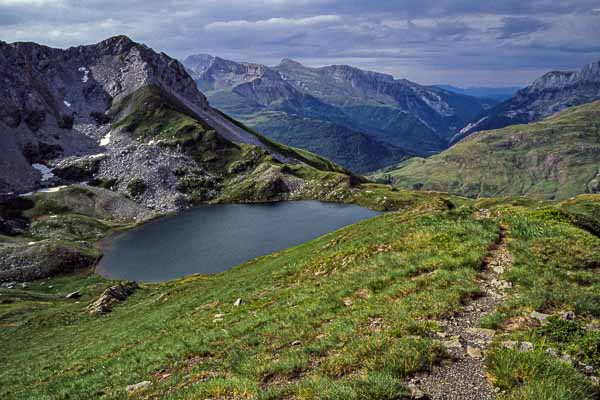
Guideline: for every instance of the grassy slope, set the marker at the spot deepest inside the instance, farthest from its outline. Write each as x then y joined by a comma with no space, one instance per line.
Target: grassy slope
346,316
151,113
354,150
294,295
325,135
556,260
552,159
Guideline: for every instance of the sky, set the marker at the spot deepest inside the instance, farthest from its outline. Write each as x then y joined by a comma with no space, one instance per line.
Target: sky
458,42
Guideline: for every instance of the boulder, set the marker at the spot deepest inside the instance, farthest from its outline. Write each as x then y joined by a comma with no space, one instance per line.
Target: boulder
111,296
138,386
474,352
74,295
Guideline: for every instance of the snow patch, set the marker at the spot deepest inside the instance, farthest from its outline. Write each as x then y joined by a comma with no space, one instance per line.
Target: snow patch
45,171
67,103
105,141
472,125
86,73
47,190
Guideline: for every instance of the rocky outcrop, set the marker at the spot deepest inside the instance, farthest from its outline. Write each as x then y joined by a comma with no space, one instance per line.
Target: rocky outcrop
112,296
37,260
547,95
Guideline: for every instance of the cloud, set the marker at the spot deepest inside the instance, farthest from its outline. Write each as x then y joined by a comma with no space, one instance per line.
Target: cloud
273,22
518,26
31,3
459,41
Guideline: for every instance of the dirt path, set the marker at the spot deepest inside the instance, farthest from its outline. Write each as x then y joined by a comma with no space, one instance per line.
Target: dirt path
464,377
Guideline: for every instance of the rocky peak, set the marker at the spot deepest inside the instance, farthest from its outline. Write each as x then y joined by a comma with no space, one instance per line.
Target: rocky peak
198,63
591,72
116,45
549,94
288,62
556,80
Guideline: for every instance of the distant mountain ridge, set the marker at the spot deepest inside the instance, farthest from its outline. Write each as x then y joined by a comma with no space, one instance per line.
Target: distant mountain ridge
434,112
398,116
555,158
550,93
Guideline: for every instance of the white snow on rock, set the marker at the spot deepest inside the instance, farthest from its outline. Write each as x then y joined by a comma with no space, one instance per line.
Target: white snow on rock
47,190
105,141
67,103
472,125
85,76
45,171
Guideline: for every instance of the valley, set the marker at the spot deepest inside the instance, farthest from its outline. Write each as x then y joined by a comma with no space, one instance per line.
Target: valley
359,119
262,269
555,158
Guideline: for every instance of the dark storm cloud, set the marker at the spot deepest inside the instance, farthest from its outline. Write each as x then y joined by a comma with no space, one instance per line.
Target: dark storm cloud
456,41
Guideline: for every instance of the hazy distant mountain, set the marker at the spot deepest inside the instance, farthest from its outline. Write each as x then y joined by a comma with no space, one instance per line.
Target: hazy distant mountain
547,95
419,118
400,117
264,100
494,93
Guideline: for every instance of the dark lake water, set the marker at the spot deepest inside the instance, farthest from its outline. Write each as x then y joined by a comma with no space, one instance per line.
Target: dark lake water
212,239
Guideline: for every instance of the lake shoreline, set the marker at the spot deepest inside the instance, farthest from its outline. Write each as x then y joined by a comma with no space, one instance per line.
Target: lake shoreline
206,243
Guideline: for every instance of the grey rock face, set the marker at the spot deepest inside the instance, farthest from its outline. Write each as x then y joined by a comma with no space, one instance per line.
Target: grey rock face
55,111
49,97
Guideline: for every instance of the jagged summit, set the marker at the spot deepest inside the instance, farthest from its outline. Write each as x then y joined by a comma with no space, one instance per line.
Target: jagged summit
290,62
112,101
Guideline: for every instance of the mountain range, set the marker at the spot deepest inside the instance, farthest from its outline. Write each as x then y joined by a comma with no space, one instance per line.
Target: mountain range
336,111
555,158
119,115
550,93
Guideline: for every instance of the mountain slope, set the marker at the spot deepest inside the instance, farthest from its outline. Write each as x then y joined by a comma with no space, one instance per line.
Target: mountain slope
355,314
555,158
358,152
547,95
254,92
412,118
119,114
